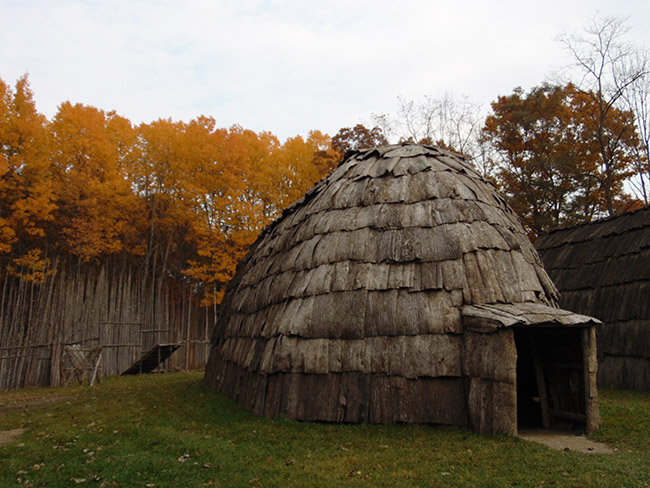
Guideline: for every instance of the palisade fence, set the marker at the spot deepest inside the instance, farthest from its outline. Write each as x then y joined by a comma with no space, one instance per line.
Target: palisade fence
119,314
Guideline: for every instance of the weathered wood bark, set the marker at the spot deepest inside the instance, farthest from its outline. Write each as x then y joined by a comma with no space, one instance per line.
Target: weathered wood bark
356,304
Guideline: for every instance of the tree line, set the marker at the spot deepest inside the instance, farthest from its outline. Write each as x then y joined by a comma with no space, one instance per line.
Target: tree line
183,199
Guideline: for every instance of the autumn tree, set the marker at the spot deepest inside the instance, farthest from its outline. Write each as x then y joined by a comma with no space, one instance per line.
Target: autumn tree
231,201
245,184
299,164
358,137
608,143
26,193
325,157
534,153
154,177
94,197
549,157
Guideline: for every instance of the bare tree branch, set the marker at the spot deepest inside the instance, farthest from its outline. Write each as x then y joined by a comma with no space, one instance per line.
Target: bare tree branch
608,67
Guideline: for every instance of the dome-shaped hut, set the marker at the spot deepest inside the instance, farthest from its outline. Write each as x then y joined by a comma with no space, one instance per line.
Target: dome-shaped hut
402,288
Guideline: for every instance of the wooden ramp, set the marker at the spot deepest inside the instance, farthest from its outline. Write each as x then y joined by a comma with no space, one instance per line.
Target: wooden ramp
151,359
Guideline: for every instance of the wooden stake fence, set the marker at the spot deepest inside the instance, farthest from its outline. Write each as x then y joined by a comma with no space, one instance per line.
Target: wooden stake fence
122,313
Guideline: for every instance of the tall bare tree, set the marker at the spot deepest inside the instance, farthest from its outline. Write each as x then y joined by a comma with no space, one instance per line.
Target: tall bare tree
637,97
446,121
607,67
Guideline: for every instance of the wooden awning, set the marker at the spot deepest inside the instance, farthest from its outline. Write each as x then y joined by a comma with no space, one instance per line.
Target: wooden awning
490,317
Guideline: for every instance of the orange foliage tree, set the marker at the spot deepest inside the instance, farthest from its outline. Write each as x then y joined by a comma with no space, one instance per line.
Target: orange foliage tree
207,192
246,181
94,198
549,158
358,137
26,193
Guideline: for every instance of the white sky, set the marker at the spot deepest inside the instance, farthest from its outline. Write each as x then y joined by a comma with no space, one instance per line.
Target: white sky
286,66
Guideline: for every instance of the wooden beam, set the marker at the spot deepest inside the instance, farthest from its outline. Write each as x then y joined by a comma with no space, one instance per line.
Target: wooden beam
541,384
590,371
95,375
578,417
577,366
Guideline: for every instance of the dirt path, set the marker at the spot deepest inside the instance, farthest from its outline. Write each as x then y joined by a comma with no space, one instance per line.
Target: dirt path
565,441
9,404
7,436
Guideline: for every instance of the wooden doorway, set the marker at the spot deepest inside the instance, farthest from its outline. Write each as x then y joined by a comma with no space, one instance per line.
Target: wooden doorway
550,378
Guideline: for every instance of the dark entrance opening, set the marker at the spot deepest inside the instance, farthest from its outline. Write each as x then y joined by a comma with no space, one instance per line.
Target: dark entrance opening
550,378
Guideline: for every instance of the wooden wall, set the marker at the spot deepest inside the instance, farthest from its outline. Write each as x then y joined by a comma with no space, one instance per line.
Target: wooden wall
124,313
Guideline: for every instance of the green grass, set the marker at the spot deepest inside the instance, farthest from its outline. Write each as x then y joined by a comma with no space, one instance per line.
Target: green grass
169,430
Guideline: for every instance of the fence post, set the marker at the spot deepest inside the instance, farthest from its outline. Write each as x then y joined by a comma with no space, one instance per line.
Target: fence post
55,364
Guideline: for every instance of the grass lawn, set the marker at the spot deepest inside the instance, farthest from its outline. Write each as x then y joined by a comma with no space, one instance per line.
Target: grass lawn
168,430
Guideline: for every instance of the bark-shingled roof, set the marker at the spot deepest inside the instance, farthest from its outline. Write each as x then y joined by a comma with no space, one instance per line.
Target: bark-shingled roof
611,254
389,221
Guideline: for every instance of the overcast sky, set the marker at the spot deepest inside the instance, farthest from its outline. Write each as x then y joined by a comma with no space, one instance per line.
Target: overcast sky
286,66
